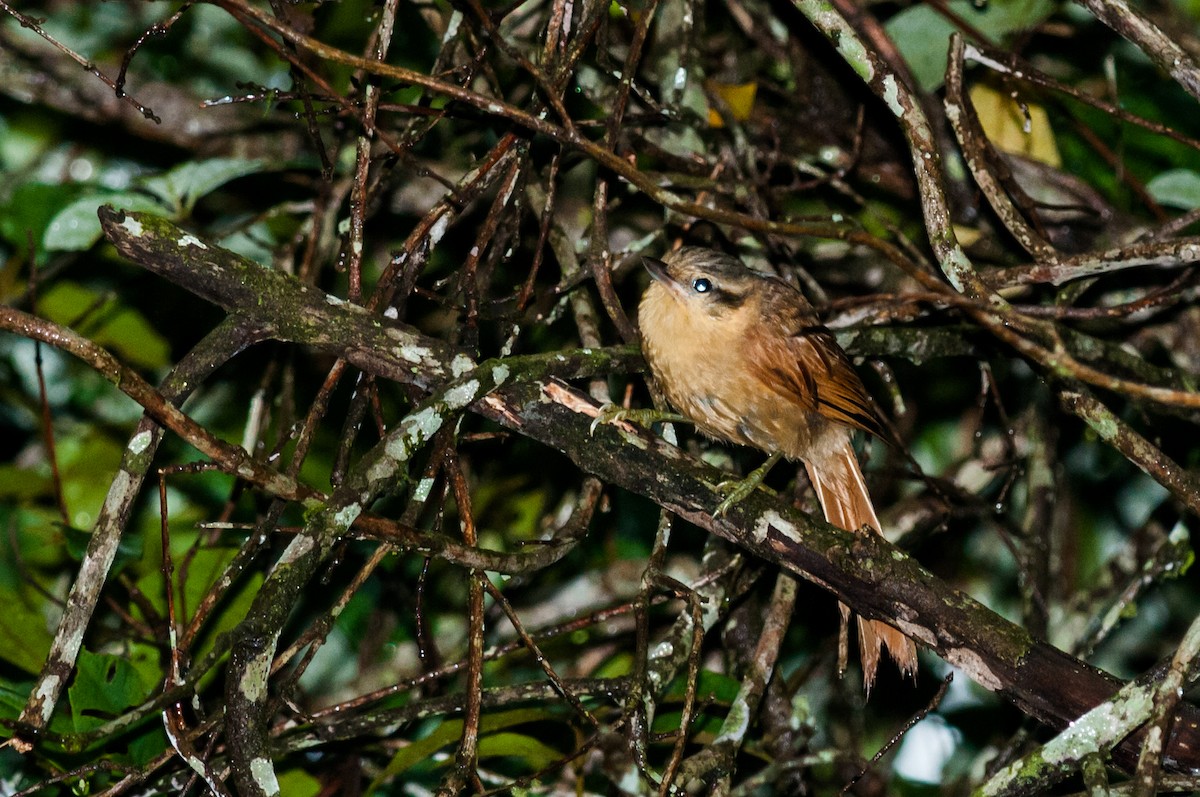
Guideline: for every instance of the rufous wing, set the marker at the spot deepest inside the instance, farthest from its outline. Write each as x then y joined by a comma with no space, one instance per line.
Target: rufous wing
806,364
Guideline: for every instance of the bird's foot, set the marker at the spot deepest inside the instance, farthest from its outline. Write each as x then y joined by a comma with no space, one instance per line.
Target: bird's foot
737,489
611,413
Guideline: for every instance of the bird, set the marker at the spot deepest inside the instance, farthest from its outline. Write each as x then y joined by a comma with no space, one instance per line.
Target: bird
743,355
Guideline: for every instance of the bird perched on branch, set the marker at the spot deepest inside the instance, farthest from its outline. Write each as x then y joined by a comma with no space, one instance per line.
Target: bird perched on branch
743,356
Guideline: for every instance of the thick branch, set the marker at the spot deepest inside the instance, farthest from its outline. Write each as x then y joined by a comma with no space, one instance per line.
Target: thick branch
290,310
864,571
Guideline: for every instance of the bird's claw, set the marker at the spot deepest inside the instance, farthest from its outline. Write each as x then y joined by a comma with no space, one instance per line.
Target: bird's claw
739,489
609,413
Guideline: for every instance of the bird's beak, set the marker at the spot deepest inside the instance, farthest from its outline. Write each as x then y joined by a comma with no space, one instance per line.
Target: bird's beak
657,269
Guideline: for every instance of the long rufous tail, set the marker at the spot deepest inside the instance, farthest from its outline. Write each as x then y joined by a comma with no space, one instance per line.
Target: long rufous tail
840,488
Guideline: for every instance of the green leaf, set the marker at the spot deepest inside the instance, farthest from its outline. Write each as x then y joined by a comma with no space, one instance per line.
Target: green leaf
109,323
709,686
298,783
27,215
181,187
616,666
1178,188
410,755
533,753
87,460
24,636
105,687
923,35
255,242
205,568
450,731
12,698
22,484
34,539
76,228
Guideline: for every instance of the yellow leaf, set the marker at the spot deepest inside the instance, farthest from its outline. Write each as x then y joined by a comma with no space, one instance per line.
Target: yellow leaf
967,236
1011,129
739,97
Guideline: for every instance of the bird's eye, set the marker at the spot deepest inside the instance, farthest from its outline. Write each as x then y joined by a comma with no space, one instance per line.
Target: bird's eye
701,285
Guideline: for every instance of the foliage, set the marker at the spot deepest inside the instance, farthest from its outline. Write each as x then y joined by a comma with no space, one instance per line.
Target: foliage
405,588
